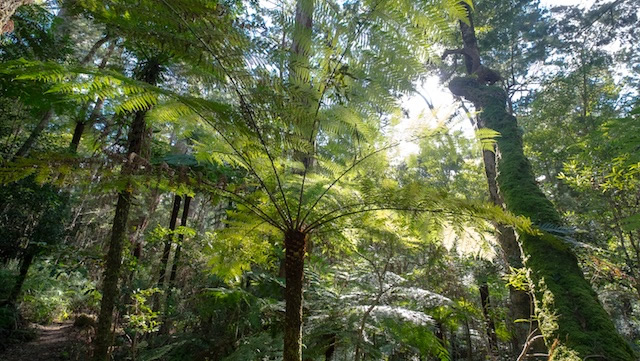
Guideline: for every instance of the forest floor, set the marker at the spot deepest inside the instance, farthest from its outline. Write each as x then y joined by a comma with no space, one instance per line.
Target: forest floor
59,341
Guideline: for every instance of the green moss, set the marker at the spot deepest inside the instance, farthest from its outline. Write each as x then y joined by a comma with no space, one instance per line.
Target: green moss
568,307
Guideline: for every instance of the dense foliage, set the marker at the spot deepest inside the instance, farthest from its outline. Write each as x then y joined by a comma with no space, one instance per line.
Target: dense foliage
223,180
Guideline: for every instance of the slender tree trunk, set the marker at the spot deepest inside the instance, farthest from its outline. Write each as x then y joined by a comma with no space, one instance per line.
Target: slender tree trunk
295,243
137,135
176,257
166,252
27,260
485,301
81,125
28,144
94,49
137,148
166,325
467,332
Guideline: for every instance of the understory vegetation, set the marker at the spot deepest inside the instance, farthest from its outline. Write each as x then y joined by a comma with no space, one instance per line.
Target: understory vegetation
254,180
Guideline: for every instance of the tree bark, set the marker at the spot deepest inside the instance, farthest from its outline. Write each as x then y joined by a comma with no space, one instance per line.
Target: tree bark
520,303
137,142
295,243
467,333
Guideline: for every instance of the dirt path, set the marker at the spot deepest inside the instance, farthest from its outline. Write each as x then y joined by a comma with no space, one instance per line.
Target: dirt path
55,342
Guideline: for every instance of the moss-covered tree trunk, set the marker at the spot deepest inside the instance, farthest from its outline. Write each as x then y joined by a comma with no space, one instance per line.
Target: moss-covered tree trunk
520,303
569,309
295,243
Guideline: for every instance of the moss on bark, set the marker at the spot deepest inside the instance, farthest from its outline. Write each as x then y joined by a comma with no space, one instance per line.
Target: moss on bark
568,308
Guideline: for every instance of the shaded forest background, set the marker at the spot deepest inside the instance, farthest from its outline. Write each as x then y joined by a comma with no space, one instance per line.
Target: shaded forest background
220,180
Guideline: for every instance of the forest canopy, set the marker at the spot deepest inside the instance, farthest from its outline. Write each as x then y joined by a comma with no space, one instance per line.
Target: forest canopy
313,180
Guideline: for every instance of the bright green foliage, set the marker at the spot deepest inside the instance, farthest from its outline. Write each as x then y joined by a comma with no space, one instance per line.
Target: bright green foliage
272,125
141,319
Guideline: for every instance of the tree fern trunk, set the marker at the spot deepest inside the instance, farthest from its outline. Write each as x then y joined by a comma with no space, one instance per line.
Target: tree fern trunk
295,243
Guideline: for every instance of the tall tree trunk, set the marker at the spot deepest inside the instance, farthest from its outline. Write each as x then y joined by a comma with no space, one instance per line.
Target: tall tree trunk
520,303
467,333
295,243
137,135
137,149
568,307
